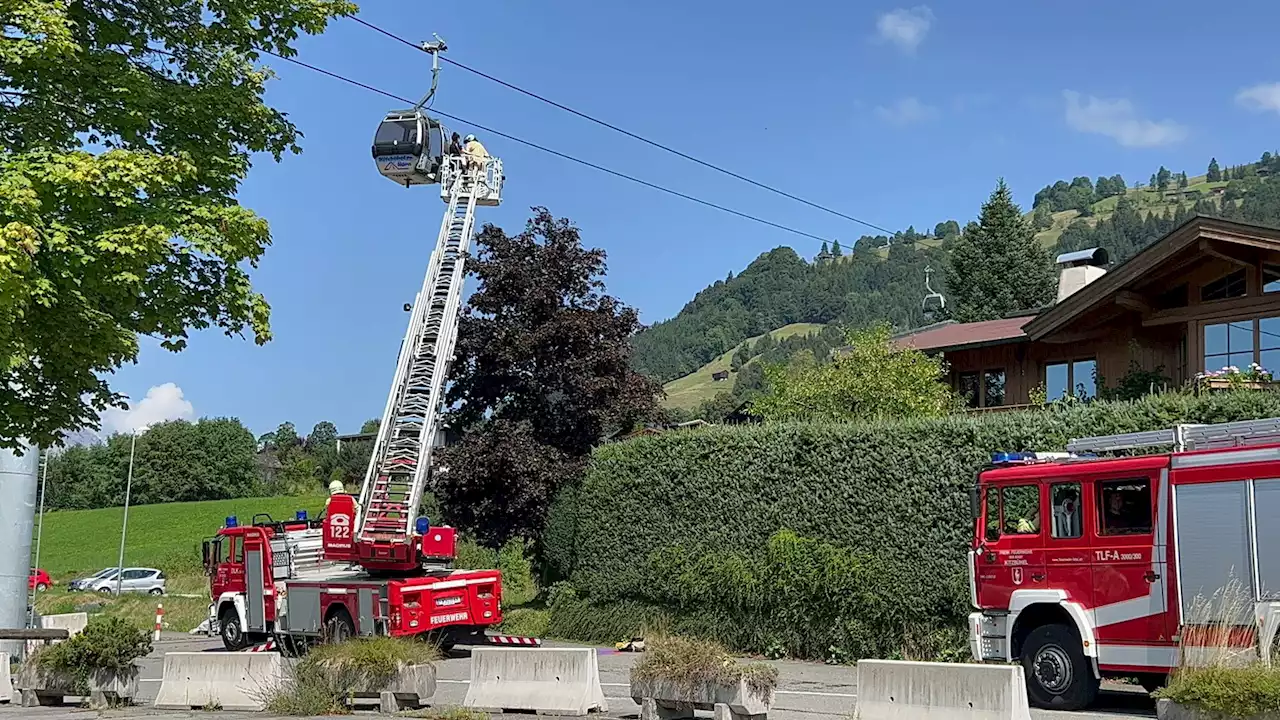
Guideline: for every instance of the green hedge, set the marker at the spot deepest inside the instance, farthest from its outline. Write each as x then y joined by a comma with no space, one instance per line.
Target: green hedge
685,525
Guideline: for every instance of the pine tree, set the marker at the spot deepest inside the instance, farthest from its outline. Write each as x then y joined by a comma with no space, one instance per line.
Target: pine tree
824,253
835,249
998,267
1215,173
1182,180
1163,176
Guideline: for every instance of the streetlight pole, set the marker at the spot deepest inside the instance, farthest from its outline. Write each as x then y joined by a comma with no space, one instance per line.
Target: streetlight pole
124,528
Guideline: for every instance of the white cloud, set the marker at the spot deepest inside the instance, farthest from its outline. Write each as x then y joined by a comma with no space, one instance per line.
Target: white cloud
905,27
1260,98
163,402
907,111
1118,120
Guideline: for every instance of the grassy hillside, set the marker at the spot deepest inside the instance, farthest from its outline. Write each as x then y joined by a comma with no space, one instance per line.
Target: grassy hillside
163,536
691,390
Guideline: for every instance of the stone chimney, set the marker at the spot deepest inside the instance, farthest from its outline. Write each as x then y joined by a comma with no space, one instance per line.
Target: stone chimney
1077,269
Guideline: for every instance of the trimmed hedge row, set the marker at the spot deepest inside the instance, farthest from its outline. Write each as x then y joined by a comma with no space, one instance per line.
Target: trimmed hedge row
685,526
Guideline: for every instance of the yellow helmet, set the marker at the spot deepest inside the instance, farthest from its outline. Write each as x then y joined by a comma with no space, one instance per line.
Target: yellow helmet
336,487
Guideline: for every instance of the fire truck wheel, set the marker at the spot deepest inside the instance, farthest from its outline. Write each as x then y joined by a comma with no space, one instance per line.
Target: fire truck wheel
229,627
339,627
1058,674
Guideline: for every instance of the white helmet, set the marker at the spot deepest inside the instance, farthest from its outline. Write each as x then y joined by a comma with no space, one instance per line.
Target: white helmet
336,487
469,138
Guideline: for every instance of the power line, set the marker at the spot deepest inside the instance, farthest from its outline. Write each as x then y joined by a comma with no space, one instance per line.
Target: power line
626,132
557,153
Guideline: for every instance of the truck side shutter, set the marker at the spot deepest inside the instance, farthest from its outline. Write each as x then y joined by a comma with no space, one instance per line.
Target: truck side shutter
255,613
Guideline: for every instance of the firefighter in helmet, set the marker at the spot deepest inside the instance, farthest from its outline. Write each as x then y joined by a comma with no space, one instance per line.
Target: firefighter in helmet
335,487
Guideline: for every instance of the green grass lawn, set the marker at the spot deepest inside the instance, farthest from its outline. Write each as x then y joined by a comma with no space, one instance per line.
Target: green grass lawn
690,391
162,536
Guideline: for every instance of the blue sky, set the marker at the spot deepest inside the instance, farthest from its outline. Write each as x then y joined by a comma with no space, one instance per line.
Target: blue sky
898,114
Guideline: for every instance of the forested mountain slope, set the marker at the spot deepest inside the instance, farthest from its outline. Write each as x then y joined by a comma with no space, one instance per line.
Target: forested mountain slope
882,279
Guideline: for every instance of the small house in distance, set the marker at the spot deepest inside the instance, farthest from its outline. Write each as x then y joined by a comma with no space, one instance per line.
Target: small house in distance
720,375
1203,297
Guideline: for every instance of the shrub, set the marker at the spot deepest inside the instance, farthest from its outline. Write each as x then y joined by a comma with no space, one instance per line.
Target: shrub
678,526
321,683
526,622
690,663
1233,692
107,643
518,585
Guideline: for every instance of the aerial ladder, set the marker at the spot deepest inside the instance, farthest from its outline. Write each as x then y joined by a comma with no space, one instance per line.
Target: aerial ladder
410,148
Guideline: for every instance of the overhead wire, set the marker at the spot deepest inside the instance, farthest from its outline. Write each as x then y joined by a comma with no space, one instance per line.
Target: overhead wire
626,132
550,151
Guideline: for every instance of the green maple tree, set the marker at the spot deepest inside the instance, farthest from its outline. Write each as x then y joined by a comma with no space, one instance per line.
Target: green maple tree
126,129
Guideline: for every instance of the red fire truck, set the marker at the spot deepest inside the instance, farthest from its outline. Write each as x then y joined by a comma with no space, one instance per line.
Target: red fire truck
374,566
1083,568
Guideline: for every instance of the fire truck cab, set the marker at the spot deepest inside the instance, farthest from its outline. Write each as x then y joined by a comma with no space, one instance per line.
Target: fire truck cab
1083,567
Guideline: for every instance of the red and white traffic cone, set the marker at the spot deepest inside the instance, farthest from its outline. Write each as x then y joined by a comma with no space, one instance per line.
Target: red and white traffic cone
159,620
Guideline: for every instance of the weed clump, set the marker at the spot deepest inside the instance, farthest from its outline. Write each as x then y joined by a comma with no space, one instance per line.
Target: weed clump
324,681
690,664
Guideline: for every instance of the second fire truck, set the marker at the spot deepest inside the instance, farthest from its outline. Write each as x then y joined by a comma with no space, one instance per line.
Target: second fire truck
1084,568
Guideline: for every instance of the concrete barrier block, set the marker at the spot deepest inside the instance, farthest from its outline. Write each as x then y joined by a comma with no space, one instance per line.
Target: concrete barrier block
895,690
410,688
40,685
230,680
6,681
662,698
553,681
73,623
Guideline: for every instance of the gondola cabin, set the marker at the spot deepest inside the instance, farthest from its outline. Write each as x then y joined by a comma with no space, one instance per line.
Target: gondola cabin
409,148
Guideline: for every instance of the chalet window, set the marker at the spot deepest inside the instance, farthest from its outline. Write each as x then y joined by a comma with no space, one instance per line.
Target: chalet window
967,386
1075,377
993,388
1124,507
1270,278
1229,286
1243,342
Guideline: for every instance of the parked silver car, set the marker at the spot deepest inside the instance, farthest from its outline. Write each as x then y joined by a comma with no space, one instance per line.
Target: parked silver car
84,583
133,580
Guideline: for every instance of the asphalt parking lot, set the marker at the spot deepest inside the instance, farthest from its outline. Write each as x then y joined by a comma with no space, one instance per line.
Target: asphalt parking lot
806,691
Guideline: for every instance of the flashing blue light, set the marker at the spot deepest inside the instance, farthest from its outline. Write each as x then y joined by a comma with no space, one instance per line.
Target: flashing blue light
999,458
231,521
423,525
300,515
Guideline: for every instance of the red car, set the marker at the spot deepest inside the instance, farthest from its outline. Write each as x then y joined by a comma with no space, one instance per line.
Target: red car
39,580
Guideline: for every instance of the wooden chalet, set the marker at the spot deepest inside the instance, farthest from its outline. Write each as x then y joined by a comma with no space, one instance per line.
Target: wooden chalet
1204,297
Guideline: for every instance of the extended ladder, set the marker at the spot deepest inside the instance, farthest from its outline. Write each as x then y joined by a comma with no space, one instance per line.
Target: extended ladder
1186,437
398,470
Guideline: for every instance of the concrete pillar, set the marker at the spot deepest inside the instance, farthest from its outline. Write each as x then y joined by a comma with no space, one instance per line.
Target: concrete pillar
18,485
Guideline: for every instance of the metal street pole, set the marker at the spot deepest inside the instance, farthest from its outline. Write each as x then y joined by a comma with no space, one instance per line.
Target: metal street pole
44,481
124,528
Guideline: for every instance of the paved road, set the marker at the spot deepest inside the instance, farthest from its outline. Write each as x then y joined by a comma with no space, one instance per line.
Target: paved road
806,691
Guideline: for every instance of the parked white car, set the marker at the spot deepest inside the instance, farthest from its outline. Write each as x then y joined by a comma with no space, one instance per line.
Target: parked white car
133,580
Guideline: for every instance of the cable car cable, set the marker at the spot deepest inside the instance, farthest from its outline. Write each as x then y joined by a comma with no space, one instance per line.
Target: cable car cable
550,151
626,132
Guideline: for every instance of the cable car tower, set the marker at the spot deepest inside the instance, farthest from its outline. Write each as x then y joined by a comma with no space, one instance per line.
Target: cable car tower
410,148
